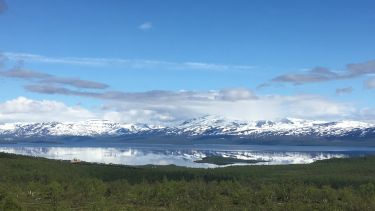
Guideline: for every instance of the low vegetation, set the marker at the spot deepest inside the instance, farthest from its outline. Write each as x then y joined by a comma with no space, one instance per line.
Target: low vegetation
28,183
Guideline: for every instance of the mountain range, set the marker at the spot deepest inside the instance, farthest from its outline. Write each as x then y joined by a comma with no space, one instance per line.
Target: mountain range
206,127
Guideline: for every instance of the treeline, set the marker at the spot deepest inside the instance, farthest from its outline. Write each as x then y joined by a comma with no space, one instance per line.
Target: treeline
39,184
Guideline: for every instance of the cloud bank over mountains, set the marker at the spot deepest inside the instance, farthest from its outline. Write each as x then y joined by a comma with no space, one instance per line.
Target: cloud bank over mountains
22,109
164,111
163,107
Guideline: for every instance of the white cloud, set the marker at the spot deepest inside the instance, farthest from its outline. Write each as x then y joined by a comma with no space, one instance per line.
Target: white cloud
139,116
23,109
145,26
238,104
236,94
317,107
367,114
234,104
125,63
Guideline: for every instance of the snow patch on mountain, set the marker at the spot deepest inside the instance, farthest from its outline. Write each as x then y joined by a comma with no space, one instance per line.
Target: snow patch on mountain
203,126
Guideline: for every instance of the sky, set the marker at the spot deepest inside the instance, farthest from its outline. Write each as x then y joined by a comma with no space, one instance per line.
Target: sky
164,61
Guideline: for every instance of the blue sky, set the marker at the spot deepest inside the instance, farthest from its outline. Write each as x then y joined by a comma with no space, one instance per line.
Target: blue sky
203,47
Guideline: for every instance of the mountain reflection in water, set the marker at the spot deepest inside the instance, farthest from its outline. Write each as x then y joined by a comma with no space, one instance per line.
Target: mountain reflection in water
173,155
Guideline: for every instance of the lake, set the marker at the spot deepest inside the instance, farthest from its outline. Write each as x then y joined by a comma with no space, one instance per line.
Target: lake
184,155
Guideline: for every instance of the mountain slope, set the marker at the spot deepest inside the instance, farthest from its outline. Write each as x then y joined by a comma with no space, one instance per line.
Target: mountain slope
204,126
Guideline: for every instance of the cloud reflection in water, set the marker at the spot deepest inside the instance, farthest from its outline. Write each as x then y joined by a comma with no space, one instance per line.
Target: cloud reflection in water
186,157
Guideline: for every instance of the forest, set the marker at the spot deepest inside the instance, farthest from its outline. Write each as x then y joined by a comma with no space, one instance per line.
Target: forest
30,183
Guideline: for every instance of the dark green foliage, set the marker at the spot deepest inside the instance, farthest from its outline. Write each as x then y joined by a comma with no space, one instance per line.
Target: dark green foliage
39,184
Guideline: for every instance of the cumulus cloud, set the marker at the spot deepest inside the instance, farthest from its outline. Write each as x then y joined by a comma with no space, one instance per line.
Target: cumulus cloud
159,106
145,26
23,109
317,107
236,103
264,107
139,116
345,90
321,74
160,110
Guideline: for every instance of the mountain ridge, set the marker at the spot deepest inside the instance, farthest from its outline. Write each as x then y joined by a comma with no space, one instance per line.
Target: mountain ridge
202,126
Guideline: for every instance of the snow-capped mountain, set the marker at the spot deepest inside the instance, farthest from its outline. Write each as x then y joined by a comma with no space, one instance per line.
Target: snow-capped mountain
205,126
211,125
82,128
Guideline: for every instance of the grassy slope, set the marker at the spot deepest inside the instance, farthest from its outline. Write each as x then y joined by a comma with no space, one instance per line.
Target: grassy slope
40,184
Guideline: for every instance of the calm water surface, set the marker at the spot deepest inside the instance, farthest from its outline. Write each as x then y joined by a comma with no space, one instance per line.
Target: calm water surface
184,155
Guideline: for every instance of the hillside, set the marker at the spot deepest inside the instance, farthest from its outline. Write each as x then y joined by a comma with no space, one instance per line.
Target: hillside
28,183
